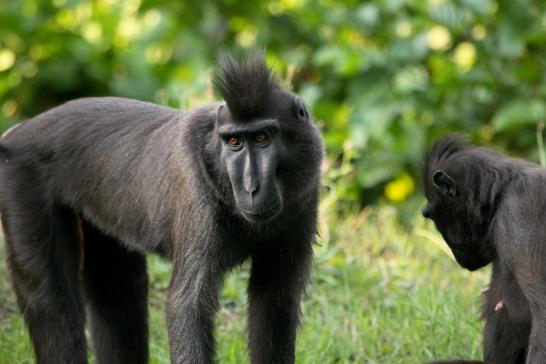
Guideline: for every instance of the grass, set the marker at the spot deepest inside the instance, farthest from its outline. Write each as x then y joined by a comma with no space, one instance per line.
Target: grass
378,294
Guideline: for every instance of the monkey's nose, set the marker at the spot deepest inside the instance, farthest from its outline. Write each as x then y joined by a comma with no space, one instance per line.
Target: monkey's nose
251,189
426,212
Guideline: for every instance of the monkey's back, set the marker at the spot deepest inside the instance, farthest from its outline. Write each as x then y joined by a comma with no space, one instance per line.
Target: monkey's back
75,122
91,154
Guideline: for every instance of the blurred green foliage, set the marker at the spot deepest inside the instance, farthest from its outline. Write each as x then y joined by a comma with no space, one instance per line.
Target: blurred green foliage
382,77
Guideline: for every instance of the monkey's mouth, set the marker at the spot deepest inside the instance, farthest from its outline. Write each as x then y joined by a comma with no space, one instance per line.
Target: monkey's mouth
262,215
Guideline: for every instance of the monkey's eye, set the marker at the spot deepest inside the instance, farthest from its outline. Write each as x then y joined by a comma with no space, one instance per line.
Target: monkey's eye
234,142
261,138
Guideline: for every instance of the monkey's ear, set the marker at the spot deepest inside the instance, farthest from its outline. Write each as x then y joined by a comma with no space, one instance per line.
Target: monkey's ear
300,110
223,115
443,182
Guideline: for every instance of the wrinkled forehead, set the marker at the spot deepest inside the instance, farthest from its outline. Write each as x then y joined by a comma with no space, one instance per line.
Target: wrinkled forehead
256,126
225,119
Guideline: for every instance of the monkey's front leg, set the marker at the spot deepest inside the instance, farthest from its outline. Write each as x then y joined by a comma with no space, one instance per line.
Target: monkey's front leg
507,321
537,348
504,340
276,285
191,306
528,263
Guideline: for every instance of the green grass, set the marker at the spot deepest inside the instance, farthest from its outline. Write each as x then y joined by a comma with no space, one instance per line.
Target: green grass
378,295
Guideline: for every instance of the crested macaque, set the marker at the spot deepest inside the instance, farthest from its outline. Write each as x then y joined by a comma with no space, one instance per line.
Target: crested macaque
89,187
491,208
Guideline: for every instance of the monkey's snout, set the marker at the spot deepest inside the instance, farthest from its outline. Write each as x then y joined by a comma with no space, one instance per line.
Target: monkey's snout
251,190
426,212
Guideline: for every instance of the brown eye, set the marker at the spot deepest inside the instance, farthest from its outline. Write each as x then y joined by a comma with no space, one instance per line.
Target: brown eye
261,138
234,142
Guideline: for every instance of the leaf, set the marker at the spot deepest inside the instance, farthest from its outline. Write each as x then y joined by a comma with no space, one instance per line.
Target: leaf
407,50
451,16
518,113
371,121
510,43
480,7
411,78
377,167
368,15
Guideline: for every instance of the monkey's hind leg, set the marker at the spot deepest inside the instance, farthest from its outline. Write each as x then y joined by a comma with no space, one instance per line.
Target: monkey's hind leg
42,259
116,287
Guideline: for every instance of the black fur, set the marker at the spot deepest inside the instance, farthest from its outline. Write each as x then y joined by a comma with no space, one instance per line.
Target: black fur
87,188
245,86
496,215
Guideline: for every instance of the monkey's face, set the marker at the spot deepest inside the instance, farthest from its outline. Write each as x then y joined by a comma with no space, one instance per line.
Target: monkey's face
270,160
251,153
465,234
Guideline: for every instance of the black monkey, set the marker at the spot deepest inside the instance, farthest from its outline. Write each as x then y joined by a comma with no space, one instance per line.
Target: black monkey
492,209
90,186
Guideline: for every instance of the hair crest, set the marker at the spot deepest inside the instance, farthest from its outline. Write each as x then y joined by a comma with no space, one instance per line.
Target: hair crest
445,147
244,85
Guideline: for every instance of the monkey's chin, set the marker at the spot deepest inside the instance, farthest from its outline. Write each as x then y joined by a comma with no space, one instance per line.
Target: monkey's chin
472,266
472,262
